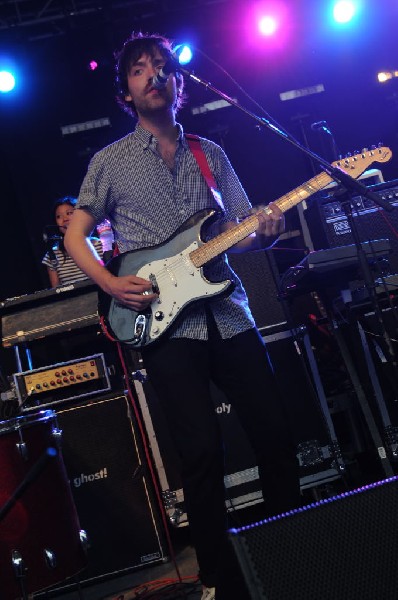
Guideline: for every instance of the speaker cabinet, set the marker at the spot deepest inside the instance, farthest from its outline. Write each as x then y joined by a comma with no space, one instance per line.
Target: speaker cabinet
255,270
343,548
329,227
109,483
306,413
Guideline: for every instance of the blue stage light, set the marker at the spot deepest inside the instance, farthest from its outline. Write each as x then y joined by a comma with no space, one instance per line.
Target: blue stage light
344,11
184,54
7,81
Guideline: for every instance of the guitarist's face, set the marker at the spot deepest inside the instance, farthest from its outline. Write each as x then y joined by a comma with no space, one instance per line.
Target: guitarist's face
146,99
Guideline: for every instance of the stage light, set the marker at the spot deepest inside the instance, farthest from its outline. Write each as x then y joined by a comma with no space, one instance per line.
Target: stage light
7,82
183,53
383,76
267,25
344,11
93,65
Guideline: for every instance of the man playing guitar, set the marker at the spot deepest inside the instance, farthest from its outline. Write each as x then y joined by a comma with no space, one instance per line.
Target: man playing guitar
150,186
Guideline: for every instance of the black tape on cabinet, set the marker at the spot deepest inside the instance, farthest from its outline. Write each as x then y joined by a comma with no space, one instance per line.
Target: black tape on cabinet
110,487
344,548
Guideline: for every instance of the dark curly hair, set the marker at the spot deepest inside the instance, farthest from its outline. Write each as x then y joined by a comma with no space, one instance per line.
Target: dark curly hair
71,200
134,47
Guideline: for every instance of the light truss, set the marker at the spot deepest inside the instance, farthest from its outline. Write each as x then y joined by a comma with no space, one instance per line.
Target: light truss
53,16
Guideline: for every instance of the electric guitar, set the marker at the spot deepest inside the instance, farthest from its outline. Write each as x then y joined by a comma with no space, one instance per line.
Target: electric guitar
175,267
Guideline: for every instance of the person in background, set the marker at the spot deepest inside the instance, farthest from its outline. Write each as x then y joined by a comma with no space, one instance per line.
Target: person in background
61,267
149,184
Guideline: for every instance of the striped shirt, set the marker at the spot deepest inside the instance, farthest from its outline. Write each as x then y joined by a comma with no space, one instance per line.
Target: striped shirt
65,266
129,183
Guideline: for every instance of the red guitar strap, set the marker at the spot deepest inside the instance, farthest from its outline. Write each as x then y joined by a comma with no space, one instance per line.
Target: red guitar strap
197,151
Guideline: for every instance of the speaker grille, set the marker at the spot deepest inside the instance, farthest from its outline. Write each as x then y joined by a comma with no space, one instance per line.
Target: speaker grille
344,548
254,271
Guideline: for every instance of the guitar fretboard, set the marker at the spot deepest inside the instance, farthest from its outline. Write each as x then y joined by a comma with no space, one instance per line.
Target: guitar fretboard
229,238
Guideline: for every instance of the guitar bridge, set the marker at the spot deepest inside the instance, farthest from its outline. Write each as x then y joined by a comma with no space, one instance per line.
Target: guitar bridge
139,328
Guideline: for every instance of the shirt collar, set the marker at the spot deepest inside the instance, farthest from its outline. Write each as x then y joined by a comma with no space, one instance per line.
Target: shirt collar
147,139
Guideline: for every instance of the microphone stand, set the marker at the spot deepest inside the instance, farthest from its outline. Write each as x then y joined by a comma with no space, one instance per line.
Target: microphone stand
50,238
31,476
349,185
352,185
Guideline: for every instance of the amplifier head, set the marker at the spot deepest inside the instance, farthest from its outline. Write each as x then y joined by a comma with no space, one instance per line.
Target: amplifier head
61,382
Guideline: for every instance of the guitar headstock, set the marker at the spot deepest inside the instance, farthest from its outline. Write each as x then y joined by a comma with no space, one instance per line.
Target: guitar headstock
358,163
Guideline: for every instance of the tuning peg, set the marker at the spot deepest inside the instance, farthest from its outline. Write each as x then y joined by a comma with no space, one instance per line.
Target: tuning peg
373,147
365,150
348,155
380,145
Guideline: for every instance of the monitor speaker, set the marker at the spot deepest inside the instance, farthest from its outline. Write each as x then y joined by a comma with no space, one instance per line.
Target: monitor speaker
345,547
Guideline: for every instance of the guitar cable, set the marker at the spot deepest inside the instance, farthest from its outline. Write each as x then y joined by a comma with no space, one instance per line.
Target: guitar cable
137,413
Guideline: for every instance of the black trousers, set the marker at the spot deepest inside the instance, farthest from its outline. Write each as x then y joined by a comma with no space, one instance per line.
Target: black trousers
180,371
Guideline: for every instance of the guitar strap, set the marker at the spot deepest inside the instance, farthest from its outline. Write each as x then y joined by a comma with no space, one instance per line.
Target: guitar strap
197,151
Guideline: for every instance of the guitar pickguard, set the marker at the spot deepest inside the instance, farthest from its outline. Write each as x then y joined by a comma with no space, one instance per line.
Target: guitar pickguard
173,274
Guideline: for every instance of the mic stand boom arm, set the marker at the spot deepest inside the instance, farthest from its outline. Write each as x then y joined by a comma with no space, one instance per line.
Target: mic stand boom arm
350,184
347,183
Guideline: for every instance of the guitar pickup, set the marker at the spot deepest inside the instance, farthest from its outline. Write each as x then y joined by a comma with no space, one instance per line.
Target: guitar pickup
173,279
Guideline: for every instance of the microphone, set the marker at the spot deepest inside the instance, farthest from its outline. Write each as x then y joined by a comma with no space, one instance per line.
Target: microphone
51,238
48,236
171,66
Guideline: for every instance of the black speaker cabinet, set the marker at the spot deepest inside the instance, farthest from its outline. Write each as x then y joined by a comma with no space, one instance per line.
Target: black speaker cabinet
108,478
255,270
329,227
306,413
343,548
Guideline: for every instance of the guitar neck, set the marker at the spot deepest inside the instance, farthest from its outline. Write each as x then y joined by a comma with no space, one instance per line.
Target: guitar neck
222,242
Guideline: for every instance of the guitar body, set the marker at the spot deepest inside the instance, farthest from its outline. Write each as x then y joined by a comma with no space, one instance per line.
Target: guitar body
173,276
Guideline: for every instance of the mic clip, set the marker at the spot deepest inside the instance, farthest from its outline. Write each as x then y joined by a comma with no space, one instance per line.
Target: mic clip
321,126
